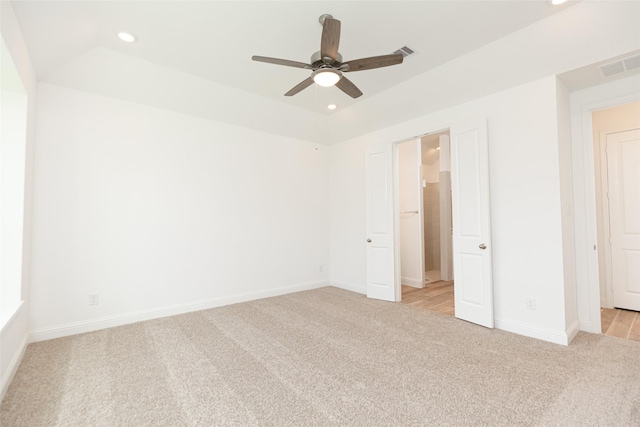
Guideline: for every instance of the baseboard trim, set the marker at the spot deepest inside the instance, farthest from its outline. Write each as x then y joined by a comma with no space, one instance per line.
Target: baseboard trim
589,327
12,368
6,322
349,287
139,316
572,331
556,337
414,283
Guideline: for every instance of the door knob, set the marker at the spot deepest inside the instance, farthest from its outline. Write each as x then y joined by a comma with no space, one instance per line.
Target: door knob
368,240
482,246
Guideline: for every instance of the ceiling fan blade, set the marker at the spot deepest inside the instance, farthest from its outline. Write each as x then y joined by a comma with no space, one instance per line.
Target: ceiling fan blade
285,62
330,39
347,86
371,62
300,86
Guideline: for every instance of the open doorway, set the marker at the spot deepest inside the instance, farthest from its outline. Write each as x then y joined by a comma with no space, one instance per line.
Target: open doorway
616,137
424,212
471,221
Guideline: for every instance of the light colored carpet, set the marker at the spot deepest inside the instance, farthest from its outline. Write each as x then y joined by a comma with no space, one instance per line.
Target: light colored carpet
321,358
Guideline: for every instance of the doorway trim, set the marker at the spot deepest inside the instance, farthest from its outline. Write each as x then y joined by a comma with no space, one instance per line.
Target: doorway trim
584,200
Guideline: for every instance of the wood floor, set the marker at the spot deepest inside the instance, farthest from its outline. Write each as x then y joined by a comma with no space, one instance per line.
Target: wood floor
436,296
620,323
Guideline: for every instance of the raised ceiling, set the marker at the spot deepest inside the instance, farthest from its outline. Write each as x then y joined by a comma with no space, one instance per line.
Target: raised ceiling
215,40
195,56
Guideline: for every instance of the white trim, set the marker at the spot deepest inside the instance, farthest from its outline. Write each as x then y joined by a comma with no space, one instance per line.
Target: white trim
572,331
11,318
133,317
605,224
583,104
588,327
409,281
556,337
12,368
361,289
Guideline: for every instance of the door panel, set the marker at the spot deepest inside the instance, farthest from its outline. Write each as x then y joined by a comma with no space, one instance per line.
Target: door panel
473,290
379,223
623,174
471,283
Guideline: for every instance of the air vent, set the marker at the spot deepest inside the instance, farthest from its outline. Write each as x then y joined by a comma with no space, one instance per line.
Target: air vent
405,51
633,62
620,66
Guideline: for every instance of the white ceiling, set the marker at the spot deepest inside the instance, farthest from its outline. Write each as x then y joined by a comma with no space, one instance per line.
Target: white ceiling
215,40
195,56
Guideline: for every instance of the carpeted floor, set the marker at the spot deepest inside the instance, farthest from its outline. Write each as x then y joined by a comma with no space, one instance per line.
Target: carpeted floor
322,358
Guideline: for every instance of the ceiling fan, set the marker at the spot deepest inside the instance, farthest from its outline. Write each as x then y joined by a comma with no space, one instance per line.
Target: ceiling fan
327,63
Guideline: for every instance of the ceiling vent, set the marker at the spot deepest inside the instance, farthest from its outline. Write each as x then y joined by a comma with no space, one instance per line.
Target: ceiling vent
405,51
620,66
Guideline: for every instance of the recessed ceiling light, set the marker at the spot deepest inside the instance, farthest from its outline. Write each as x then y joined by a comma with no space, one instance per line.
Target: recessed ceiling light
127,37
437,148
556,2
332,106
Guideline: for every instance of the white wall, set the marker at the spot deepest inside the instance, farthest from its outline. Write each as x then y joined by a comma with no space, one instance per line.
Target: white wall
525,204
583,103
161,212
411,233
14,333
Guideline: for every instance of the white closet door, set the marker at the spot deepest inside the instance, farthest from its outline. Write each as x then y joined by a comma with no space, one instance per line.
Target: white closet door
623,174
379,223
473,290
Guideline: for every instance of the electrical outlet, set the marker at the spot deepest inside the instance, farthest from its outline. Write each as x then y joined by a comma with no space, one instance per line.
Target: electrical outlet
531,303
94,299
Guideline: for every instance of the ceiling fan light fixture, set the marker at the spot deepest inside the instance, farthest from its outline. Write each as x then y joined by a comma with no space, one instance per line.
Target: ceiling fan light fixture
326,77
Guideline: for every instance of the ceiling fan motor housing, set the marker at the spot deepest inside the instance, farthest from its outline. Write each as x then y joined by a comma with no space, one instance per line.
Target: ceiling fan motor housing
317,61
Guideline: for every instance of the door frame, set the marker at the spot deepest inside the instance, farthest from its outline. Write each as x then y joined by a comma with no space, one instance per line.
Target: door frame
585,219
